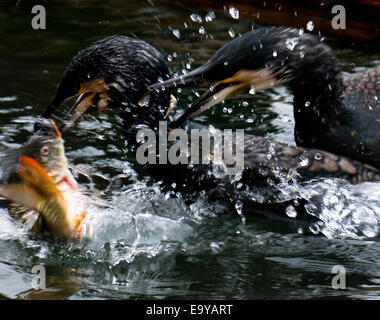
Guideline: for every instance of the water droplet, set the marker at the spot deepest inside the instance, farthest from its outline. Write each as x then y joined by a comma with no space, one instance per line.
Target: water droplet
231,32
174,185
310,26
245,104
274,53
301,31
302,54
307,103
170,58
188,65
314,228
311,208
202,30
291,212
291,43
318,156
225,63
234,12
249,120
8,99
334,200
303,161
210,16
176,33
230,110
196,18
252,90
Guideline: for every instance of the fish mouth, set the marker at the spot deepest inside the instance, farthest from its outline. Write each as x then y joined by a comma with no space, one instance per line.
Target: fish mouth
37,191
67,182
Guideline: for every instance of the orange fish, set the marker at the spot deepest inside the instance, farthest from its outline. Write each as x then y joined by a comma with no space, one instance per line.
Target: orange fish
43,191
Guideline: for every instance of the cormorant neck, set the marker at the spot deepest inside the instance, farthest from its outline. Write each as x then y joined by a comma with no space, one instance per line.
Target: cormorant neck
145,114
316,106
312,73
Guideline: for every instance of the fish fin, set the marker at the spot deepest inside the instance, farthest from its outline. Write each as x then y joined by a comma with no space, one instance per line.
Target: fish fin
78,227
22,194
39,193
33,220
36,175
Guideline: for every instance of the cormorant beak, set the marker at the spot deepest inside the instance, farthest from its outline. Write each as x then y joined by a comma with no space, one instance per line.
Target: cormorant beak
95,89
241,81
55,131
81,105
92,93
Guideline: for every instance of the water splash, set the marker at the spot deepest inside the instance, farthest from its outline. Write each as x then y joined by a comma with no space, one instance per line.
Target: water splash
210,16
310,26
291,43
196,18
232,33
234,13
176,33
343,210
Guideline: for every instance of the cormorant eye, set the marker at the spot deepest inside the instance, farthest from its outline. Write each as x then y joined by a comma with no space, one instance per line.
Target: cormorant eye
45,150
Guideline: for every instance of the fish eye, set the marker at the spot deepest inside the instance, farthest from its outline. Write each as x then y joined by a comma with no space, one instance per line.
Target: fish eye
45,150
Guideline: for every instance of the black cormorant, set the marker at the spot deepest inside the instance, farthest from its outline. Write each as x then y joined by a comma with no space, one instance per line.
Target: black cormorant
115,72
334,112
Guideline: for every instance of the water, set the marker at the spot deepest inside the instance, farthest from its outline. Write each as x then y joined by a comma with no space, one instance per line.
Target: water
150,244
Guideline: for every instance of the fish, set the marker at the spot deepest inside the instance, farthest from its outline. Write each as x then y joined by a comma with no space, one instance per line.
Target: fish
43,192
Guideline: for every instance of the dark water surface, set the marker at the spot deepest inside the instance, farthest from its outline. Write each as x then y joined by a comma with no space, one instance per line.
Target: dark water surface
147,244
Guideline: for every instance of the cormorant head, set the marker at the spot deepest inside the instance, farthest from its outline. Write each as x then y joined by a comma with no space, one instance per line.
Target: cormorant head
261,59
114,73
